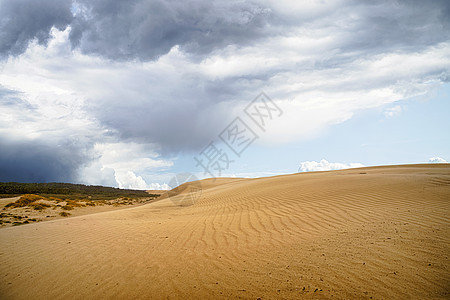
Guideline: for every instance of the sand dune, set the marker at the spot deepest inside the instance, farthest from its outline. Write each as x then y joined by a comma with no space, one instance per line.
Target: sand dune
378,233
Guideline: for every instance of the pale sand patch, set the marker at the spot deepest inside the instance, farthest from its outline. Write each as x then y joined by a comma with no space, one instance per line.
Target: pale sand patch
378,232
4,201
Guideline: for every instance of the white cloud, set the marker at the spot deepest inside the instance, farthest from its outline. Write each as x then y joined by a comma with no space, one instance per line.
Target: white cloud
157,186
116,164
129,180
97,174
130,156
313,92
436,160
393,111
324,165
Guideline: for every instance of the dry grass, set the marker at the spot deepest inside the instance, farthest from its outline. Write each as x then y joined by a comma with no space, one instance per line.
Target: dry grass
42,207
39,205
31,201
55,199
25,200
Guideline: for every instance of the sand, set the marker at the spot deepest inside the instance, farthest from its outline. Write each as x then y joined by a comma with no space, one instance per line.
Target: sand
379,233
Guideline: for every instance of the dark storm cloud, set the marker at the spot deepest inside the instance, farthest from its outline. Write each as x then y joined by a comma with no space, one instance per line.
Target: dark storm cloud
183,109
182,118
133,28
381,26
47,159
39,161
24,20
148,29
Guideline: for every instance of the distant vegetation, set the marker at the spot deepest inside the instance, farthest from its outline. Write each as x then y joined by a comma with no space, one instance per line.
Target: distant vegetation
68,190
35,208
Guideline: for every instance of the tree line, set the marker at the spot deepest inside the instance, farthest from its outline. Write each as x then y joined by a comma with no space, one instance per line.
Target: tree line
55,188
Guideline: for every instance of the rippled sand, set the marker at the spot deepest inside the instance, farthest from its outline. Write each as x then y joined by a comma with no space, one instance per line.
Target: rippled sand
380,232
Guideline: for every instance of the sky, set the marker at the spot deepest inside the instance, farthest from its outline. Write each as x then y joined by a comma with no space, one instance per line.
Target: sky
131,93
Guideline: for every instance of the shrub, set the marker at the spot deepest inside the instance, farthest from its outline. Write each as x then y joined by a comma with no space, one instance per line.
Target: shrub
39,206
67,207
73,203
25,200
55,199
64,214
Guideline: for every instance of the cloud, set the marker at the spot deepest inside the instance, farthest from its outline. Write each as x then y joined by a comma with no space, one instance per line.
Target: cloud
393,111
129,156
437,160
157,186
149,29
40,161
25,20
148,109
33,146
324,165
117,164
94,173
169,77
129,180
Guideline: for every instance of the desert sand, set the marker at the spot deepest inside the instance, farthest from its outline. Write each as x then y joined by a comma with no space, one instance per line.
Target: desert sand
380,233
